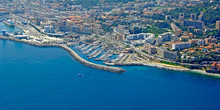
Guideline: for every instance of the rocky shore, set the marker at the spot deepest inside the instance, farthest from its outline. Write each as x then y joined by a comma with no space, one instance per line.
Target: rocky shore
71,52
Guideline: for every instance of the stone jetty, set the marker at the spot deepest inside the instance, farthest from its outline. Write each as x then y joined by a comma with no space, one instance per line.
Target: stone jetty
72,53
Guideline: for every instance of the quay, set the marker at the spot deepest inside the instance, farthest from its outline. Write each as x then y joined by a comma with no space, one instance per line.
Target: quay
71,52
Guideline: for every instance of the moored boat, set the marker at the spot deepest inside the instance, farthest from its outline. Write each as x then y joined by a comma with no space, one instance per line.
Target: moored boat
9,23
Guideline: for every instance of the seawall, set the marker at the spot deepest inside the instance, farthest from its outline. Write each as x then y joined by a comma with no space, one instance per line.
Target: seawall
72,53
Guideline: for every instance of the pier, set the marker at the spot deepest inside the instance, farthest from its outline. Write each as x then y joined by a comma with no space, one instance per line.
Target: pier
105,56
79,47
85,48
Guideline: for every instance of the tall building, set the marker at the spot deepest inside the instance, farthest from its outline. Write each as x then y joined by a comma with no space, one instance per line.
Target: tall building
193,16
168,17
200,16
167,36
150,48
176,29
181,16
169,55
49,29
195,24
43,2
218,25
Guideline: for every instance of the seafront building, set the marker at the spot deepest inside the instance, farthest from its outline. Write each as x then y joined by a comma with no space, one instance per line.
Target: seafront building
169,55
121,26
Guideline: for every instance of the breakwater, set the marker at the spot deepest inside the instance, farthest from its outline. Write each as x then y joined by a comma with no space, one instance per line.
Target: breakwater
71,52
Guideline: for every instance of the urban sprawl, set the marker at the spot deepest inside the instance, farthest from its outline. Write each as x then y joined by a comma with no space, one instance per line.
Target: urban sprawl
181,34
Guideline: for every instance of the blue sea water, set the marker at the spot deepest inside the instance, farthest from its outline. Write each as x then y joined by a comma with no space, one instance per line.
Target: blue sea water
33,78
7,28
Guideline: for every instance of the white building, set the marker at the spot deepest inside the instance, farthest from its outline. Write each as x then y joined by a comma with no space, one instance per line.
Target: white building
49,29
167,36
200,42
147,37
181,45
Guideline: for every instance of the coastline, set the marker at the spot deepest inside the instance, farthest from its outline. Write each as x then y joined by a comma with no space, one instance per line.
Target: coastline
152,64
113,69
196,71
168,67
72,53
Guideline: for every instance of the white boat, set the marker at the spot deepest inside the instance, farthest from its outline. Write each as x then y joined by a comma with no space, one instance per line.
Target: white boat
80,75
9,23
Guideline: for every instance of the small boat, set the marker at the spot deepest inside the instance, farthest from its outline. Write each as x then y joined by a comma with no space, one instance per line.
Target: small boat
80,75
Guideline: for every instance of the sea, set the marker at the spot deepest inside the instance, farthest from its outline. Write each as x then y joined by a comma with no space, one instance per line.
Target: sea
35,78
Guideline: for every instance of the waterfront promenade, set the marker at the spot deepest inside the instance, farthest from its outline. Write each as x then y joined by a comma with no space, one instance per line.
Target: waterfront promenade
71,52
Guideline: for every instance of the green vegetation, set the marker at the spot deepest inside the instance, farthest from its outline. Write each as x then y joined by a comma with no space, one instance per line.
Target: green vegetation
169,63
138,54
211,12
149,29
155,30
97,36
89,3
145,52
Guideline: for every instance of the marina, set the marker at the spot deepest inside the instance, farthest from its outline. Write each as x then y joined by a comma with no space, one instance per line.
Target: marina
86,47
91,49
96,54
81,46
105,56
109,54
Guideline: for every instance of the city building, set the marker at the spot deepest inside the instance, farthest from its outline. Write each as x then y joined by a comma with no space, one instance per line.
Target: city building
193,16
211,39
184,38
120,37
49,29
181,45
176,29
167,36
168,17
200,42
200,17
168,55
215,66
218,25
195,2
64,28
150,49
195,24
147,37
181,16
